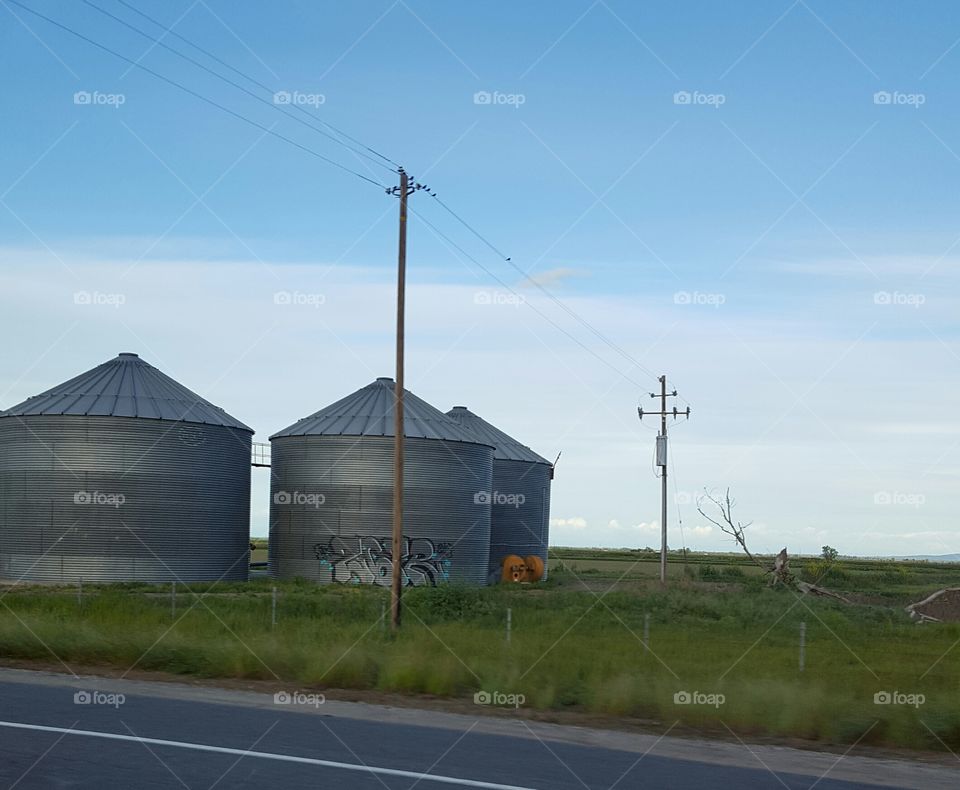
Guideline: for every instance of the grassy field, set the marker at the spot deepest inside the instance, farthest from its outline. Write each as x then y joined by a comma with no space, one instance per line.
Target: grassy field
718,634
897,582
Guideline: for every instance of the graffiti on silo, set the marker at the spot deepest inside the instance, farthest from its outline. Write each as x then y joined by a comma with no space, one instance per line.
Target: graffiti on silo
368,559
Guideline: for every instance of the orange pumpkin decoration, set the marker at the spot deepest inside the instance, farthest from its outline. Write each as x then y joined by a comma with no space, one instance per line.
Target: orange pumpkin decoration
534,568
514,569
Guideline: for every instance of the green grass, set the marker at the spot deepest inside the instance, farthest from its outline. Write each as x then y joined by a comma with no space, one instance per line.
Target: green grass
882,581
717,630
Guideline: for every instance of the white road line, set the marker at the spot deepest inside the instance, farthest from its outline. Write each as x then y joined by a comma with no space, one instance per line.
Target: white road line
287,758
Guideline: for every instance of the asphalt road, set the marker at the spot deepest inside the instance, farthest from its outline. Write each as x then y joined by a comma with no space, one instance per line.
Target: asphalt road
149,738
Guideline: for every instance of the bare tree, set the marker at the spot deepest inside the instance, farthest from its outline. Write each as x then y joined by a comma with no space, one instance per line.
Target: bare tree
780,571
735,529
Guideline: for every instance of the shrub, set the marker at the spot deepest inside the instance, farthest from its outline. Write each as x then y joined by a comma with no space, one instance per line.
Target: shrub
450,602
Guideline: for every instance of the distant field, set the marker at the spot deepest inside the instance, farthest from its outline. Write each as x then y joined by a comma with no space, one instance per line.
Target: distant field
577,643
896,581
259,554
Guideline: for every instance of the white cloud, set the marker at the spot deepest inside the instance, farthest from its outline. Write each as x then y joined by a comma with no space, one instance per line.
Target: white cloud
552,276
213,325
865,266
569,523
915,428
702,532
614,524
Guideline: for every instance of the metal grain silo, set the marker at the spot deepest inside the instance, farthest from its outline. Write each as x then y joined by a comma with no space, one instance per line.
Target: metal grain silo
332,494
122,474
520,493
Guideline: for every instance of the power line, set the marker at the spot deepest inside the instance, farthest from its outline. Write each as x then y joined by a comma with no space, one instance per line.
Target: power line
539,312
447,208
254,80
158,42
603,338
473,230
194,93
628,357
227,80
573,314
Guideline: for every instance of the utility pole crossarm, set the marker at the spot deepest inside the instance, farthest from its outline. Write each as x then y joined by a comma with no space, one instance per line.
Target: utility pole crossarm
661,460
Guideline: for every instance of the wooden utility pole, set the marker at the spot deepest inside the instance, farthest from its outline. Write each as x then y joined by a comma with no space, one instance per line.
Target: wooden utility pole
396,581
662,462
403,191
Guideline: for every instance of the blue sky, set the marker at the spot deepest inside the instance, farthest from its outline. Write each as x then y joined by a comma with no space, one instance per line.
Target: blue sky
784,245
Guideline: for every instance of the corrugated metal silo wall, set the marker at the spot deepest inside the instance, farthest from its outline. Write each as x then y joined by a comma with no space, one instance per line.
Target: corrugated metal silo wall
331,503
185,508
520,512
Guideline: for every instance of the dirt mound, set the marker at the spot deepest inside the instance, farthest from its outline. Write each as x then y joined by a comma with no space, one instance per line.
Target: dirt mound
943,606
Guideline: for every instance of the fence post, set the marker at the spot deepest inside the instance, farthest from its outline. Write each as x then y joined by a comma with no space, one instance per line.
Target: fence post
509,623
646,631
273,609
803,645
173,600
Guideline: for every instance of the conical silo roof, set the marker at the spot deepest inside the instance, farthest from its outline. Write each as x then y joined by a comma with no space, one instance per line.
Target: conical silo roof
505,447
369,412
125,386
